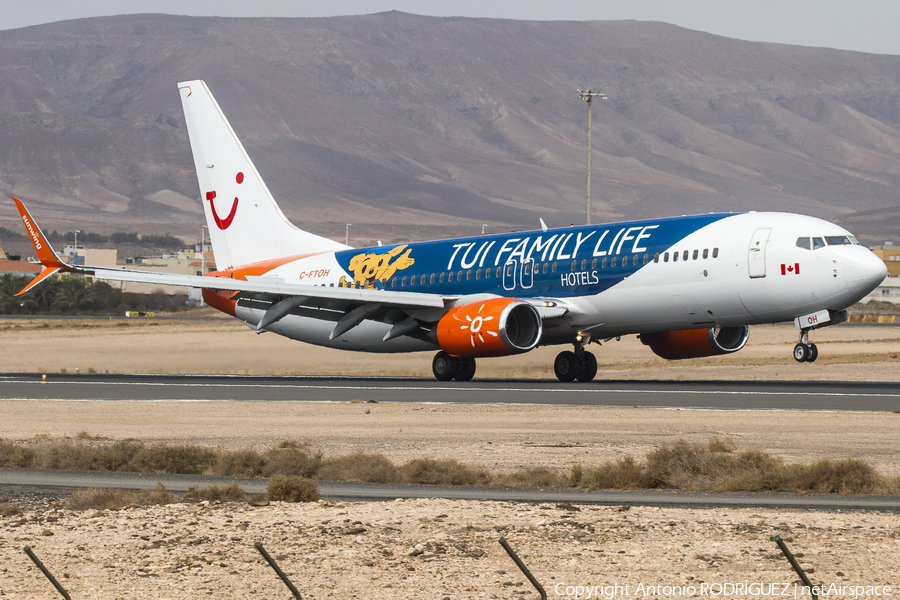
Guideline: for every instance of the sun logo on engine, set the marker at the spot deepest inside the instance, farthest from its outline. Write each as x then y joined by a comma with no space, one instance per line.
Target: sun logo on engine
475,325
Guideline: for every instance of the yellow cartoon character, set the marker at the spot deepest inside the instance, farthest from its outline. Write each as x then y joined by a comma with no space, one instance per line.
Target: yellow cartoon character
373,269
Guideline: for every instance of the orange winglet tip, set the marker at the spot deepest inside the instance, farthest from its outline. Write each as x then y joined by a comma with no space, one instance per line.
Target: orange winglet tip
45,253
47,272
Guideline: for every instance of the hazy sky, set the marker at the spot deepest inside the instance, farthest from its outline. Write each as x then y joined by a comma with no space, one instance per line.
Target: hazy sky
864,25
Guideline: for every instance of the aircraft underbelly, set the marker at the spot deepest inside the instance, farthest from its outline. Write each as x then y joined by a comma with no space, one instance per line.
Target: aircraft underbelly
366,337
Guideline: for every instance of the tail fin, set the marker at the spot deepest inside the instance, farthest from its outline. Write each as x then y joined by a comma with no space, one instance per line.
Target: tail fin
42,247
245,223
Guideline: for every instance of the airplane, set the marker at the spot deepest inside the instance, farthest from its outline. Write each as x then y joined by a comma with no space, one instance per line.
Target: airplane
688,286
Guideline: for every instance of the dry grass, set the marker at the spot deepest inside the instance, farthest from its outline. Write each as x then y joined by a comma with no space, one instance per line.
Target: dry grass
114,499
214,493
292,488
108,499
715,466
9,509
448,471
359,466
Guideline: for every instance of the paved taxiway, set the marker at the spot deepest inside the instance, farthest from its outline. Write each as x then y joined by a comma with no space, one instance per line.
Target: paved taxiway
723,395
750,395
365,492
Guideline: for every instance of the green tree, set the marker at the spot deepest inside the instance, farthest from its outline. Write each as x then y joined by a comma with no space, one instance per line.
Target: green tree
73,293
9,287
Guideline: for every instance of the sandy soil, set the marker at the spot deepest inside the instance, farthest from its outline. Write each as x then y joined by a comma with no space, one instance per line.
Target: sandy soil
846,352
435,548
502,438
444,549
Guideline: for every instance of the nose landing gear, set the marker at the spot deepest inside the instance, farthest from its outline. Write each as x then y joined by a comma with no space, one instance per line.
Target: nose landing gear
580,365
804,351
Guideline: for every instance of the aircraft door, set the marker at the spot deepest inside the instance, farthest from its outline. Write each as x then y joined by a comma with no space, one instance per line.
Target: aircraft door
509,275
756,259
527,267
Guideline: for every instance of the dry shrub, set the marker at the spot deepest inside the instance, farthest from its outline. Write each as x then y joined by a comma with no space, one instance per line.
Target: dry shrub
359,466
8,509
689,466
292,488
94,498
155,497
449,471
64,454
84,435
576,475
240,463
847,476
292,458
184,459
889,485
227,493
534,477
14,455
717,444
625,473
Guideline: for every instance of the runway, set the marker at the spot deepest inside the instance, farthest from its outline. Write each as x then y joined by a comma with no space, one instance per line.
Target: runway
716,395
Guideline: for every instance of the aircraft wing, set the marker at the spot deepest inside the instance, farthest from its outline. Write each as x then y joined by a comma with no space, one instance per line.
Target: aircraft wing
275,296
270,287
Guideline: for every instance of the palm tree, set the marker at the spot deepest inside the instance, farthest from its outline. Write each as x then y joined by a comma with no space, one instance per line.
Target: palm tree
73,293
9,286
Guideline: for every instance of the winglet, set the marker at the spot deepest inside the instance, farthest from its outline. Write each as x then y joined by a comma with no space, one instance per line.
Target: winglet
45,252
47,272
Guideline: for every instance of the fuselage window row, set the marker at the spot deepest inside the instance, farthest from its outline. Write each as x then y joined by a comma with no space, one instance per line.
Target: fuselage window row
539,268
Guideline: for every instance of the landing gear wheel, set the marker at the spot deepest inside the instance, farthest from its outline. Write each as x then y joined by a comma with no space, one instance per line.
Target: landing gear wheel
802,353
465,369
813,353
565,366
589,368
444,366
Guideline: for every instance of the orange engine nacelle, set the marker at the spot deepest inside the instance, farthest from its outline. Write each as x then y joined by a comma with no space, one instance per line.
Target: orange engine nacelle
496,327
694,343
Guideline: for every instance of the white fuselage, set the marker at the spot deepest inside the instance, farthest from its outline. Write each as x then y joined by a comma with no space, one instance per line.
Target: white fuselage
741,270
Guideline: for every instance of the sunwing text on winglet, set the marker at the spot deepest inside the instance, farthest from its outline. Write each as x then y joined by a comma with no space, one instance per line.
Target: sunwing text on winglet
688,286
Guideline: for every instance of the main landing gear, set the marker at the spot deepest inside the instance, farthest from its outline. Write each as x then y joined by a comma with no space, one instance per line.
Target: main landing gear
580,365
804,351
446,367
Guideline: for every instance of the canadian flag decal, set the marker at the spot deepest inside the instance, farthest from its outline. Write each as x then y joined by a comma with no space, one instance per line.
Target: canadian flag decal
793,269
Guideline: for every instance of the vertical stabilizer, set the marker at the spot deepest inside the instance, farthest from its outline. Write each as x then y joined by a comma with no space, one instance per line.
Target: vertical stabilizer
245,223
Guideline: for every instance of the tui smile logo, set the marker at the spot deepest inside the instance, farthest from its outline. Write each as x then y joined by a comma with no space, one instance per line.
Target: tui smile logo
225,223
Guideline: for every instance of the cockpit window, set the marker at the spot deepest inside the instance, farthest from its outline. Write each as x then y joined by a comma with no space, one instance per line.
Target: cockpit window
837,240
854,241
804,243
818,243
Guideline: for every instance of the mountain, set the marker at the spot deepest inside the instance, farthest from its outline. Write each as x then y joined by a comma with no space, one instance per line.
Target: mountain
411,127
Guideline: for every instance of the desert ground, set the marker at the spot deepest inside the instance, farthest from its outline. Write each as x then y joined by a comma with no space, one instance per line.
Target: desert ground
438,548
847,352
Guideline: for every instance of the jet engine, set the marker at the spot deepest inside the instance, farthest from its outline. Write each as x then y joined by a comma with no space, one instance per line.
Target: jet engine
694,343
496,327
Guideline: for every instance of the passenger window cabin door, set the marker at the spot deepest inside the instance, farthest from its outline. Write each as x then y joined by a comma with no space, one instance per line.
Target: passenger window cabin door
756,258
509,275
518,272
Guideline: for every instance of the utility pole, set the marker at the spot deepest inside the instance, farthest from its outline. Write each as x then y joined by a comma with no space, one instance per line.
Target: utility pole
589,95
347,235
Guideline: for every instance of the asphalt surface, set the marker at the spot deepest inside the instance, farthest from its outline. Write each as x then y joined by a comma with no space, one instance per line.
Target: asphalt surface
717,395
64,482
722,395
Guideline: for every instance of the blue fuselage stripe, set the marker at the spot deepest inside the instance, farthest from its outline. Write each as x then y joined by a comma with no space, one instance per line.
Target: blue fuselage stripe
564,262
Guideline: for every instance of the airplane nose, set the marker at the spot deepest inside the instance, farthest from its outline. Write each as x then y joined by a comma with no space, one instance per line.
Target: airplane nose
864,273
